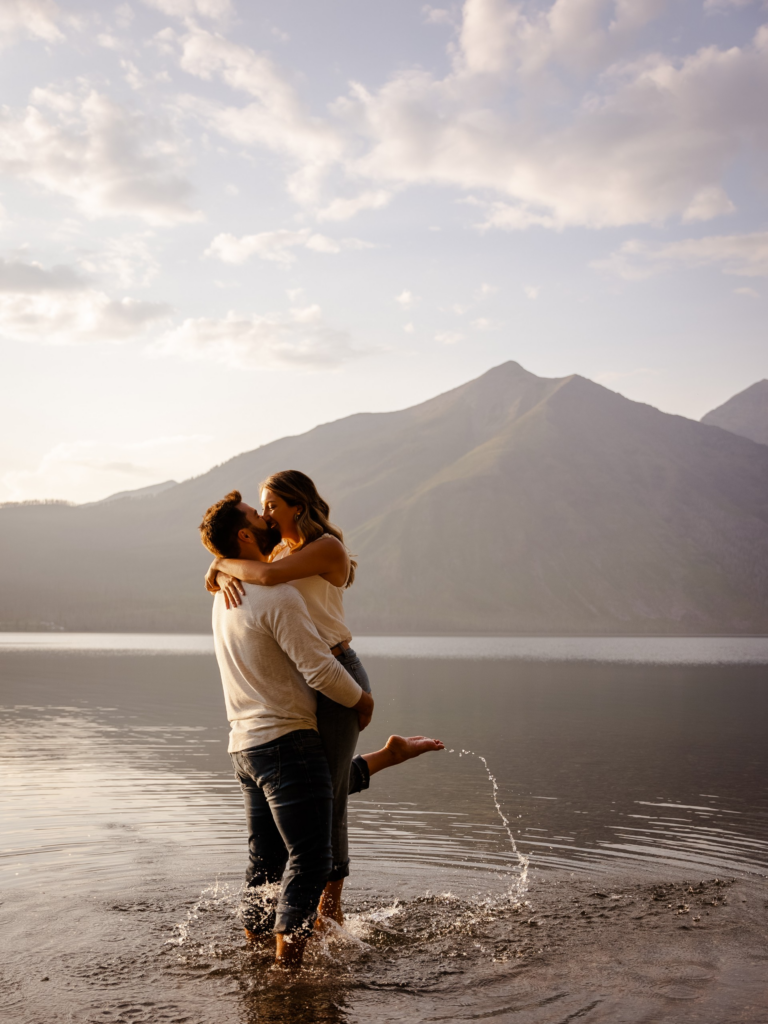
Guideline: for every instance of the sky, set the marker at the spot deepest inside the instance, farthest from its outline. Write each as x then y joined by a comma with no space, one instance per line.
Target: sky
227,221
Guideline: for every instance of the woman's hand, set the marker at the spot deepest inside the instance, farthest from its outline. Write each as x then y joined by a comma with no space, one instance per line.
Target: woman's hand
210,577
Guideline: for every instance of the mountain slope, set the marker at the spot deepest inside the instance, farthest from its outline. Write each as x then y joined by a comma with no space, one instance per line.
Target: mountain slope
745,414
511,504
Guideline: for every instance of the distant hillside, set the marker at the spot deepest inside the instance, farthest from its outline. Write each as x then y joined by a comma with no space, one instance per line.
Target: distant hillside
745,414
150,491
512,504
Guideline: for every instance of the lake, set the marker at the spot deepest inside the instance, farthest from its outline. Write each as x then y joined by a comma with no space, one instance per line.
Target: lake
632,773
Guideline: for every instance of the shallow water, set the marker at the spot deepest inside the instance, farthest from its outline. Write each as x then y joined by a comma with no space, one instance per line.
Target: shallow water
631,786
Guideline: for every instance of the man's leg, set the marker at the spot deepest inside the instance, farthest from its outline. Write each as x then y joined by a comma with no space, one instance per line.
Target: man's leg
301,805
267,855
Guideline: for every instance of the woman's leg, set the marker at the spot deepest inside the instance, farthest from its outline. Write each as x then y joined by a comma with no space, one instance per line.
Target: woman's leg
339,731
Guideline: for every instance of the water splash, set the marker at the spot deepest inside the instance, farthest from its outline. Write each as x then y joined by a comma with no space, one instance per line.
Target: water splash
521,885
217,896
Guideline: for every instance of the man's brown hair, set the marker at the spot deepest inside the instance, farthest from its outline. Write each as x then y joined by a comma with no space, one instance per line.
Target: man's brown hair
220,525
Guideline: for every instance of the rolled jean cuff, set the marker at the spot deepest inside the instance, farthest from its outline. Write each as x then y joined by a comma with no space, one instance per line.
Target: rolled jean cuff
339,871
258,924
291,922
359,775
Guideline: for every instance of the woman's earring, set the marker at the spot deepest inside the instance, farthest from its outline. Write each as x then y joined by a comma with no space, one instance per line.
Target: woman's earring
296,517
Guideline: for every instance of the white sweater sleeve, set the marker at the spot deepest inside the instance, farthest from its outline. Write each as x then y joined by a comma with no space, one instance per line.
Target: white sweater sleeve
295,633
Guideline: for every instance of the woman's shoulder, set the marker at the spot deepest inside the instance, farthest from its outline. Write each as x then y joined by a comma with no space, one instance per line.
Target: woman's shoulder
334,547
329,540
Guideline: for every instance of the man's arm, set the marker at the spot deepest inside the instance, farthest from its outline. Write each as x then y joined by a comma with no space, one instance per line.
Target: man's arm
295,632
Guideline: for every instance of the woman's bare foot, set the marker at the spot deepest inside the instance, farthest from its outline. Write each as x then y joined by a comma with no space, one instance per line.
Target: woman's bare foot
290,951
403,748
330,904
398,749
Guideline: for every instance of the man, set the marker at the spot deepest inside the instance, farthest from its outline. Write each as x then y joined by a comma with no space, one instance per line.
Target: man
271,660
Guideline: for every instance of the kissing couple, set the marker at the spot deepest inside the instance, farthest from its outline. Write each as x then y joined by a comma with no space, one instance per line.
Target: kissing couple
297,697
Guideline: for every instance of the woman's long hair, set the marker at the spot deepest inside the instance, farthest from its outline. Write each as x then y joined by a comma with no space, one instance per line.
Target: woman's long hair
296,488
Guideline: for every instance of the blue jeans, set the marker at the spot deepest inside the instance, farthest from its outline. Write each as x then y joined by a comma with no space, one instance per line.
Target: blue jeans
339,731
288,805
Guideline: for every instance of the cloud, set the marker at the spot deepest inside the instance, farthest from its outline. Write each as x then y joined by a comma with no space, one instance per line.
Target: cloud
132,75
549,113
109,42
532,291
750,292
517,217
17,276
343,209
710,202
436,15
299,340
76,318
88,470
741,255
275,118
449,337
719,6
128,260
216,10
278,246
644,143
498,36
58,307
36,19
406,299
108,159
485,290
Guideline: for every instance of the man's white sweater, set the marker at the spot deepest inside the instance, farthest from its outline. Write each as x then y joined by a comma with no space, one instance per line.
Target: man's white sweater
271,660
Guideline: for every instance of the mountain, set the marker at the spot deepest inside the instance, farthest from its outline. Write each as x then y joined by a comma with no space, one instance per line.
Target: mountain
745,414
151,491
511,504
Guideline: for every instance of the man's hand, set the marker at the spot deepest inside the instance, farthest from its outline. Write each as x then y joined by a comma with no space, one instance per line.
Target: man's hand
232,589
364,709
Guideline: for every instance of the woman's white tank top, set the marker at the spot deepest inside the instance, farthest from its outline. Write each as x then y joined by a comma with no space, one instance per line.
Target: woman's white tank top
325,607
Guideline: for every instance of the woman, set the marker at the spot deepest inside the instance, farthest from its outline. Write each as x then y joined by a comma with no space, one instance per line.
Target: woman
313,558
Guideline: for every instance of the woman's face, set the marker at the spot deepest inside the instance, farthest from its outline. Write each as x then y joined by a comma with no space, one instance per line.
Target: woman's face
279,513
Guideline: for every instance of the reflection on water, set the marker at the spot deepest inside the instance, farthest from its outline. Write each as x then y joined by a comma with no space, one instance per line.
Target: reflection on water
630,787
665,650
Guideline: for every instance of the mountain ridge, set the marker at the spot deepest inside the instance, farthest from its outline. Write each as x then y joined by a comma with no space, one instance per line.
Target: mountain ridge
510,504
745,414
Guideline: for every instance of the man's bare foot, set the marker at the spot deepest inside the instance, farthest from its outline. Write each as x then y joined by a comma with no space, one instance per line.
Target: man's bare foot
402,748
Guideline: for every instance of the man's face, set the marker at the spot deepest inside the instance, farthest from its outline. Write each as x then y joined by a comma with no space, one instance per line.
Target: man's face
259,525
255,519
